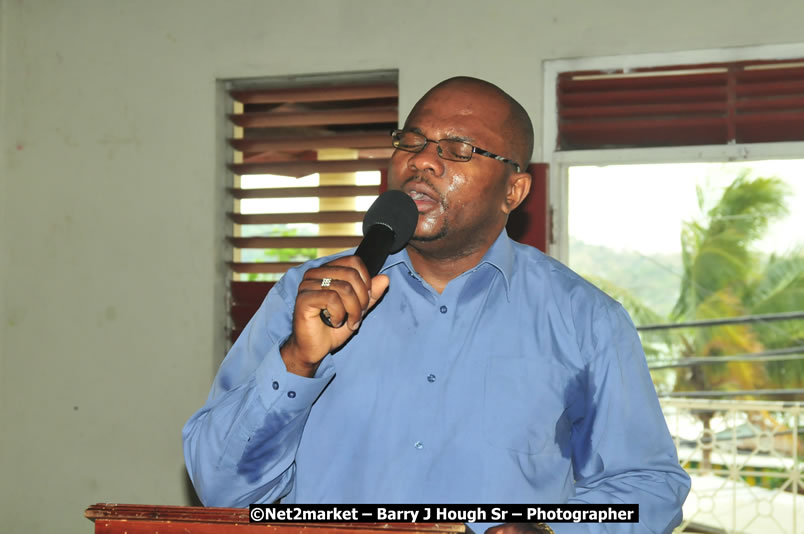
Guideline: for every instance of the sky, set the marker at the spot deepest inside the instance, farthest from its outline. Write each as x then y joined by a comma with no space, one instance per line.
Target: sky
641,207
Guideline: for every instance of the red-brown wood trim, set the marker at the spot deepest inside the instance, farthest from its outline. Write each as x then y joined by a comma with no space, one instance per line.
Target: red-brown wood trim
330,241
327,117
144,519
304,168
530,222
320,217
378,139
326,191
316,93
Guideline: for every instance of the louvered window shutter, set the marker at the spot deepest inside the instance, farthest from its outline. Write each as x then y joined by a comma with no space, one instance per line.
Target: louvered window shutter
325,135
738,102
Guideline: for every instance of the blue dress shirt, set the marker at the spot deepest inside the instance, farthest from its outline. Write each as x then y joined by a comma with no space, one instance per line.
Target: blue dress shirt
520,383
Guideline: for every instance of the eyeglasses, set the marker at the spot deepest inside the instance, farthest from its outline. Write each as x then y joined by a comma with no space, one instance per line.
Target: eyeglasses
449,149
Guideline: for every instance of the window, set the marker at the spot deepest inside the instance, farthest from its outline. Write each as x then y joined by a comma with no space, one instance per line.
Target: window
682,105
630,147
630,140
308,156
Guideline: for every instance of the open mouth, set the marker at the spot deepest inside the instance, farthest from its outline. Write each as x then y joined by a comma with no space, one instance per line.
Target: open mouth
423,196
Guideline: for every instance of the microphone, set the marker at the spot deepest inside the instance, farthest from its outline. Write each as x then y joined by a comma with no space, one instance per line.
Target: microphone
387,227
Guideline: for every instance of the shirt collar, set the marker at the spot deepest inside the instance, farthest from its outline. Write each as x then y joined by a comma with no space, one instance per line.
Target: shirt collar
500,256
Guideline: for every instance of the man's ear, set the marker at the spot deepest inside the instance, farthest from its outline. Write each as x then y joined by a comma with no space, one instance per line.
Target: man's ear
517,189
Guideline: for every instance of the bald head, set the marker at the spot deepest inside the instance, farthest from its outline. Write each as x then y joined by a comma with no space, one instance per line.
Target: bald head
517,129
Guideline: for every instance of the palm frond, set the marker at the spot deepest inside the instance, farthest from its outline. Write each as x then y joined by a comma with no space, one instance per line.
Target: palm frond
716,252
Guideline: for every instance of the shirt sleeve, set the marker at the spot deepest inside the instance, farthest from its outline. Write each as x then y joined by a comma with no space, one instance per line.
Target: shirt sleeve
239,448
622,451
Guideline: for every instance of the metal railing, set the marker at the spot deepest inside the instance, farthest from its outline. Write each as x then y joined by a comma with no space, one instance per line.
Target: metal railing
745,460
792,353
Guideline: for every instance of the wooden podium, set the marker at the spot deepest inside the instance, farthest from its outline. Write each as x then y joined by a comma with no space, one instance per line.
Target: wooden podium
141,519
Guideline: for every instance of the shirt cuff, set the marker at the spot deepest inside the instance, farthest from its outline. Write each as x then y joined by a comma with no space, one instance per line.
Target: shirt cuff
280,389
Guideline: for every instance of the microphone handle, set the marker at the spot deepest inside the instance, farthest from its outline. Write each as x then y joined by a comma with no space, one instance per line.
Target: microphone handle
373,250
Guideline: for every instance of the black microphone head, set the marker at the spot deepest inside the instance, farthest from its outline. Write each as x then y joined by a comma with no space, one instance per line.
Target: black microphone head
397,211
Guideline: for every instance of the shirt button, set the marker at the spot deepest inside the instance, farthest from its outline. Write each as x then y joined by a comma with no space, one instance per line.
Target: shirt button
431,378
418,445
275,385
443,309
291,394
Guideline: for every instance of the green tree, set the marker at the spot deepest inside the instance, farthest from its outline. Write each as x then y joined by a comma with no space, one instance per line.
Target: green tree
279,254
724,276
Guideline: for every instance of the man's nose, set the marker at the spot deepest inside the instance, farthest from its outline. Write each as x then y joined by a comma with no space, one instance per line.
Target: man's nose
427,160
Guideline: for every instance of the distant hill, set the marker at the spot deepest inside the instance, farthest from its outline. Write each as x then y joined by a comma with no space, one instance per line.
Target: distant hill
654,279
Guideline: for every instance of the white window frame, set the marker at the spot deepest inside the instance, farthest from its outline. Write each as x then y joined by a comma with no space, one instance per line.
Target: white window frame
561,161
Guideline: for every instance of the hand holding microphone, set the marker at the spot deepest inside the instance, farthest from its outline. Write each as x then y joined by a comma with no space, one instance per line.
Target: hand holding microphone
334,297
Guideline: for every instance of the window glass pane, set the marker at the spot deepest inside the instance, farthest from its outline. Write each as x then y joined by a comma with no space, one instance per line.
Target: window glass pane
681,243
625,221
363,203
276,205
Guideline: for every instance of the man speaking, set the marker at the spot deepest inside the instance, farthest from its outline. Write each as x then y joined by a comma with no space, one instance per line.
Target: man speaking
472,369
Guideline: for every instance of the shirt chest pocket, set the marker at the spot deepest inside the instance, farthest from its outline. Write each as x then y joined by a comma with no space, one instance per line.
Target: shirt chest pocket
522,411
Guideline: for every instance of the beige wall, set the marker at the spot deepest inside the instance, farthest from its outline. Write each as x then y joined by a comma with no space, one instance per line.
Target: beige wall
109,195
4,397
